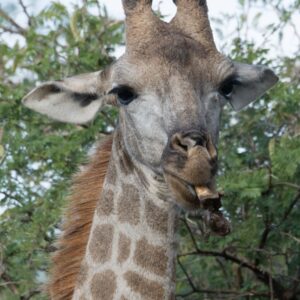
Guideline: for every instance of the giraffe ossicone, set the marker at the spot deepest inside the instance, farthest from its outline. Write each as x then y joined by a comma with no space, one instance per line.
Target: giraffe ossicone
170,86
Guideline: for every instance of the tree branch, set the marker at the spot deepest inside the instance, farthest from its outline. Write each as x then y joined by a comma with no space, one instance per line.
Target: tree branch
224,271
19,28
26,12
186,275
9,30
225,292
287,184
190,233
8,281
263,239
262,275
289,210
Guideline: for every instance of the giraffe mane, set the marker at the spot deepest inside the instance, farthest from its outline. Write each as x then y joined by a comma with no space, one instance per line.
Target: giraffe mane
85,191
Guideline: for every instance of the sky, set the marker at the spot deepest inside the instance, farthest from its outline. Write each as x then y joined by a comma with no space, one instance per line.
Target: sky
168,8
216,9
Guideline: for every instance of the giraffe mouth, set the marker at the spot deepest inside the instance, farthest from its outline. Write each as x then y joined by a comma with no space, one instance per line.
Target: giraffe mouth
208,199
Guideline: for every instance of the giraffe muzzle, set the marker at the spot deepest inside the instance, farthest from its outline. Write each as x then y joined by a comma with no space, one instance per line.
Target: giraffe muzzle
190,165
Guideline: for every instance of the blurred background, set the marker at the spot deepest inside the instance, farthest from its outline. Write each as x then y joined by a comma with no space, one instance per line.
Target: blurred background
259,147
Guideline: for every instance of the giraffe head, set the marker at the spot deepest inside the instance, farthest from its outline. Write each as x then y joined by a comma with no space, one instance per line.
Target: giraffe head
170,87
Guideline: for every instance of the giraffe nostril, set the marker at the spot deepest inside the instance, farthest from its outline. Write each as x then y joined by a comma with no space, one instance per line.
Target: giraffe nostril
184,147
197,138
200,142
186,141
179,143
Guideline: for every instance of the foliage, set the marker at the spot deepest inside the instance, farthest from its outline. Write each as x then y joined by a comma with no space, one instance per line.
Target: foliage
259,157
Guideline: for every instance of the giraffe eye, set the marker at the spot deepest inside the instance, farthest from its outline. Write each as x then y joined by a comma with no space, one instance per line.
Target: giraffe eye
227,87
124,93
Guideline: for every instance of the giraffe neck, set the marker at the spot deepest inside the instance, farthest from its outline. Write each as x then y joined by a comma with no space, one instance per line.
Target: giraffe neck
131,249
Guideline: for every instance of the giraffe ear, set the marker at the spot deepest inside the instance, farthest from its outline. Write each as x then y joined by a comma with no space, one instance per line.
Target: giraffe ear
251,83
73,100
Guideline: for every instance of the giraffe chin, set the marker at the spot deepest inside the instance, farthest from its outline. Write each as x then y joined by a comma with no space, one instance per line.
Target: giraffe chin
211,202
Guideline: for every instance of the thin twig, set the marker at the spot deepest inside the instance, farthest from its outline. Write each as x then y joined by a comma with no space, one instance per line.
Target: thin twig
287,184
11,284
223,268
263,239
19,28
271,287
10,30
225,292
292,237
289,210
26,12
190,233
186,275
262,275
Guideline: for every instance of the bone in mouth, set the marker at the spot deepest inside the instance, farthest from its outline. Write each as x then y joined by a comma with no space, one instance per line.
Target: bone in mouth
206,193
209,199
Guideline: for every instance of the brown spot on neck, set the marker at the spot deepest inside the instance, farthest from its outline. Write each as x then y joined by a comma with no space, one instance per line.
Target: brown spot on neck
100,246
147,288
129,205
156,217
152,258
124,248
105,205
103,286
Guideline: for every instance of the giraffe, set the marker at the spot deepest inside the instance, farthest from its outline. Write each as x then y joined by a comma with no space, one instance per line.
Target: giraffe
119,239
